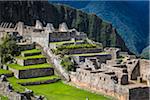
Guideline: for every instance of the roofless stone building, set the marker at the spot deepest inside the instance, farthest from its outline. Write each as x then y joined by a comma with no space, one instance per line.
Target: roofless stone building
104,70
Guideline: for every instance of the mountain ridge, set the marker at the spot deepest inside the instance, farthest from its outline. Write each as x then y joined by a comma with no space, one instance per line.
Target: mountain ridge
29,11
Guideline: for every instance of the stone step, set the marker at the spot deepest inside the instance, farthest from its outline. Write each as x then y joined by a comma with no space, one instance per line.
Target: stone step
32,52
26,46
31,60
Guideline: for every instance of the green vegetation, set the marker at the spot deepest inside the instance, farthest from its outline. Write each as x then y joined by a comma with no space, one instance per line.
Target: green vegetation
31,57
61,91
31,51
67,64
19,67
3,97
77,46
90,54
13,79
8,48
18,87
2,71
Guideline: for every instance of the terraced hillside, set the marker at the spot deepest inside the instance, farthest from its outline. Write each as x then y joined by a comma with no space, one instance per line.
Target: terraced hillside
31,71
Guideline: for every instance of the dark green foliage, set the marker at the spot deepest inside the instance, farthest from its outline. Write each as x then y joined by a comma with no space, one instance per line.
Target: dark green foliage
8,48
76,46
67,64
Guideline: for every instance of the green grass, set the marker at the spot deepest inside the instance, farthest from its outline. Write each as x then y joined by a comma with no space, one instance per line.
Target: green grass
61,91
19,67
3,97
64,42
2,71
17,87
77,46
30,57
31,51
90,54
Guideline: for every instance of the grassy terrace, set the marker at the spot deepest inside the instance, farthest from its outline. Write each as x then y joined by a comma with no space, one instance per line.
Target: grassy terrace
14,81
77,46
64,42
30,57
3,97
19,67
2,71
61,91
90,54
31,51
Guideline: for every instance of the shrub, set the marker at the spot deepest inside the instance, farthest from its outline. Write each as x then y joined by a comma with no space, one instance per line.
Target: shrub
67,64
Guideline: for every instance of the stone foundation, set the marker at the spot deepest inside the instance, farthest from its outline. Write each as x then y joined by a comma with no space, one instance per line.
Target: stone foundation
31,73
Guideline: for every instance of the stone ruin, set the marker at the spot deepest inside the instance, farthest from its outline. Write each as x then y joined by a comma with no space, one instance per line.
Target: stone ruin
111,72
119,77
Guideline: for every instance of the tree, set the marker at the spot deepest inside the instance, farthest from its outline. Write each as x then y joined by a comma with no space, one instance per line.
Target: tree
8,48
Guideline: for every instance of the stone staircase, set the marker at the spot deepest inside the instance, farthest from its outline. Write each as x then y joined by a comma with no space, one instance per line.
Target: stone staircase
31,63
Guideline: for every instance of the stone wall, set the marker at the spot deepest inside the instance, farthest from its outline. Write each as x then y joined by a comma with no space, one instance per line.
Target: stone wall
84,50
96,82
41,38
145,68
30,54
140,93
24,46
66,36
101,57
28,62
31,73
40,82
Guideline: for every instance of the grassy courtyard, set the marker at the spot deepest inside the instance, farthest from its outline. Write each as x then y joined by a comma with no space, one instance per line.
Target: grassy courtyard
61,91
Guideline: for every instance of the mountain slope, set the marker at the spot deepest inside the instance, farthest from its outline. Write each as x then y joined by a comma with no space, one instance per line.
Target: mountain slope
91,24
146,53
129,17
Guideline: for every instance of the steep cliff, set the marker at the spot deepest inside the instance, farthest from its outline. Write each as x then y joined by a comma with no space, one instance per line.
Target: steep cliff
91,24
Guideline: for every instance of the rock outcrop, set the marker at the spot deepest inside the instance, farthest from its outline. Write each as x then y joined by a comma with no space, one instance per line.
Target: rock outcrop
30,11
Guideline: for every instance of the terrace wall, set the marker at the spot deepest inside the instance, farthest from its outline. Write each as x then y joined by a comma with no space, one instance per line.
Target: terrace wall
102,58
65,36
31,73
84,50
24,47
28,62
30,54
101,83
140,93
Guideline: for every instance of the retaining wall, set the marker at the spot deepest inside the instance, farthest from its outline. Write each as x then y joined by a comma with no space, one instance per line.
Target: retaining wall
31,73
31,61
